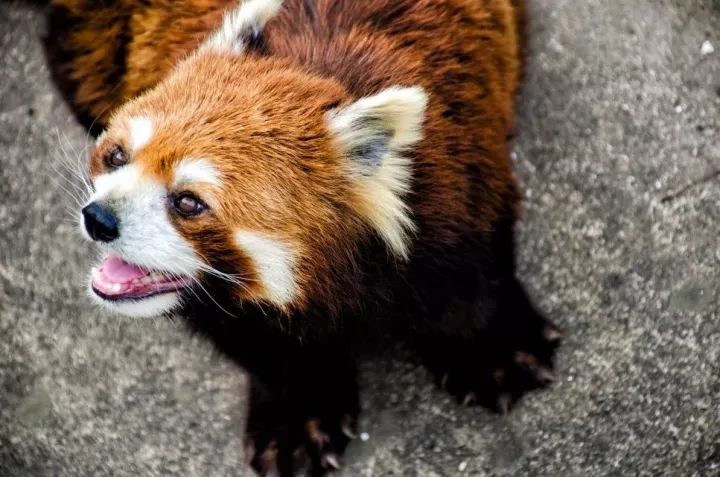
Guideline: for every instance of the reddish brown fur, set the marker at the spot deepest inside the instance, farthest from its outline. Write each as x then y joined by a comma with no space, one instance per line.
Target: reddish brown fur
89,39
465,54
259,118
467,59
104,53
290,182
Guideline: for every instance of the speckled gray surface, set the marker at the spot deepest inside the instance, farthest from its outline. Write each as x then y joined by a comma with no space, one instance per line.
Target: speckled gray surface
620,110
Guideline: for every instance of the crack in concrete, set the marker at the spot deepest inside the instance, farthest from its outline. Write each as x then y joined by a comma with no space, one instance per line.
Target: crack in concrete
697,182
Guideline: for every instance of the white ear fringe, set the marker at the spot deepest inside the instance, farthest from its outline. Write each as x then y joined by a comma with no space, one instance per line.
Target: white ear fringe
382,187
250,17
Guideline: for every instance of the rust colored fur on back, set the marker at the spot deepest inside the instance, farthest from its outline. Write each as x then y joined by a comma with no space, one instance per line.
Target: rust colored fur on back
107,52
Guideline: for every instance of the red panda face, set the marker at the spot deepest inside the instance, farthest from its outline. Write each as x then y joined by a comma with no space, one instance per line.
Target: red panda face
248,171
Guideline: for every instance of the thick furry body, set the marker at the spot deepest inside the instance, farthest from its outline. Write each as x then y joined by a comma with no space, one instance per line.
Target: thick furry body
464,53
444,277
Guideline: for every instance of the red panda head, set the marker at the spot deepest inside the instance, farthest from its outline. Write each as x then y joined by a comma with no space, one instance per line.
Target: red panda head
247,170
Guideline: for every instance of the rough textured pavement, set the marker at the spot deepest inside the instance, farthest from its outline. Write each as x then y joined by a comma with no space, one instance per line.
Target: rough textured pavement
618,148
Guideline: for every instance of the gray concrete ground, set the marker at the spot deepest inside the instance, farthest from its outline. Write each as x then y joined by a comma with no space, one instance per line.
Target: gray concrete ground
619,151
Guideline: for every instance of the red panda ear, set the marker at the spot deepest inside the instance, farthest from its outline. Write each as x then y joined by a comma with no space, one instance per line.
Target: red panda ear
371,128
240,25
372,134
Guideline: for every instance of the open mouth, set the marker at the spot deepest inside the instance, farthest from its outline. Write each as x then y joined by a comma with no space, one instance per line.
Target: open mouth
115,279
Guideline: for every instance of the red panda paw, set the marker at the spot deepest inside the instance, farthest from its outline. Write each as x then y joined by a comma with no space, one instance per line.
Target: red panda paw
496,374
308,448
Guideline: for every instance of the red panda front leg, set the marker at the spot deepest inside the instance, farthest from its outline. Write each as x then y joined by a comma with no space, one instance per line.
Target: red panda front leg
300,423
496,363
488,344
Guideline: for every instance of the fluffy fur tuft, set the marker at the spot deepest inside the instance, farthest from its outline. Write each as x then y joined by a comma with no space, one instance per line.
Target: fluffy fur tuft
241,25
373,134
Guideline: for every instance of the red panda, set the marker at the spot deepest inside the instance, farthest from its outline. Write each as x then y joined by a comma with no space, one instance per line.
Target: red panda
293,177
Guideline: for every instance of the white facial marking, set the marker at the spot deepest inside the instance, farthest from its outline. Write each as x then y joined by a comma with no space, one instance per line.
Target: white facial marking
141,131
116,183
147,237
196,170
248,18
273,261
101,137
382,127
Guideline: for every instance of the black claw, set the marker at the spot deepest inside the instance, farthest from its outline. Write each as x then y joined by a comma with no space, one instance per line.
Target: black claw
545,375
347,427
552,334
469,399
504,404
330,460
541,373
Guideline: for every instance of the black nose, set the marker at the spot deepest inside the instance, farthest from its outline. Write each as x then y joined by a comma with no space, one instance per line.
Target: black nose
100,223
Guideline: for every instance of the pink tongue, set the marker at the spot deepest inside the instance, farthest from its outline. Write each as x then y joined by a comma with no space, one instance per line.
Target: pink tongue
117,270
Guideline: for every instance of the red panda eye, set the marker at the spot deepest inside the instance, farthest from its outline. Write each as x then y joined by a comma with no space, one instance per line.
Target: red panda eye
188,205
116,157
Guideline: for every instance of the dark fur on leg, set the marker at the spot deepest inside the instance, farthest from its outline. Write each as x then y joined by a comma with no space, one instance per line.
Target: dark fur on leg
304,402
490,345
300,425
496,366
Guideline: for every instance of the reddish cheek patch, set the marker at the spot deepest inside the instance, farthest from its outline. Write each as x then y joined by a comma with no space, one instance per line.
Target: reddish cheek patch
95,166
